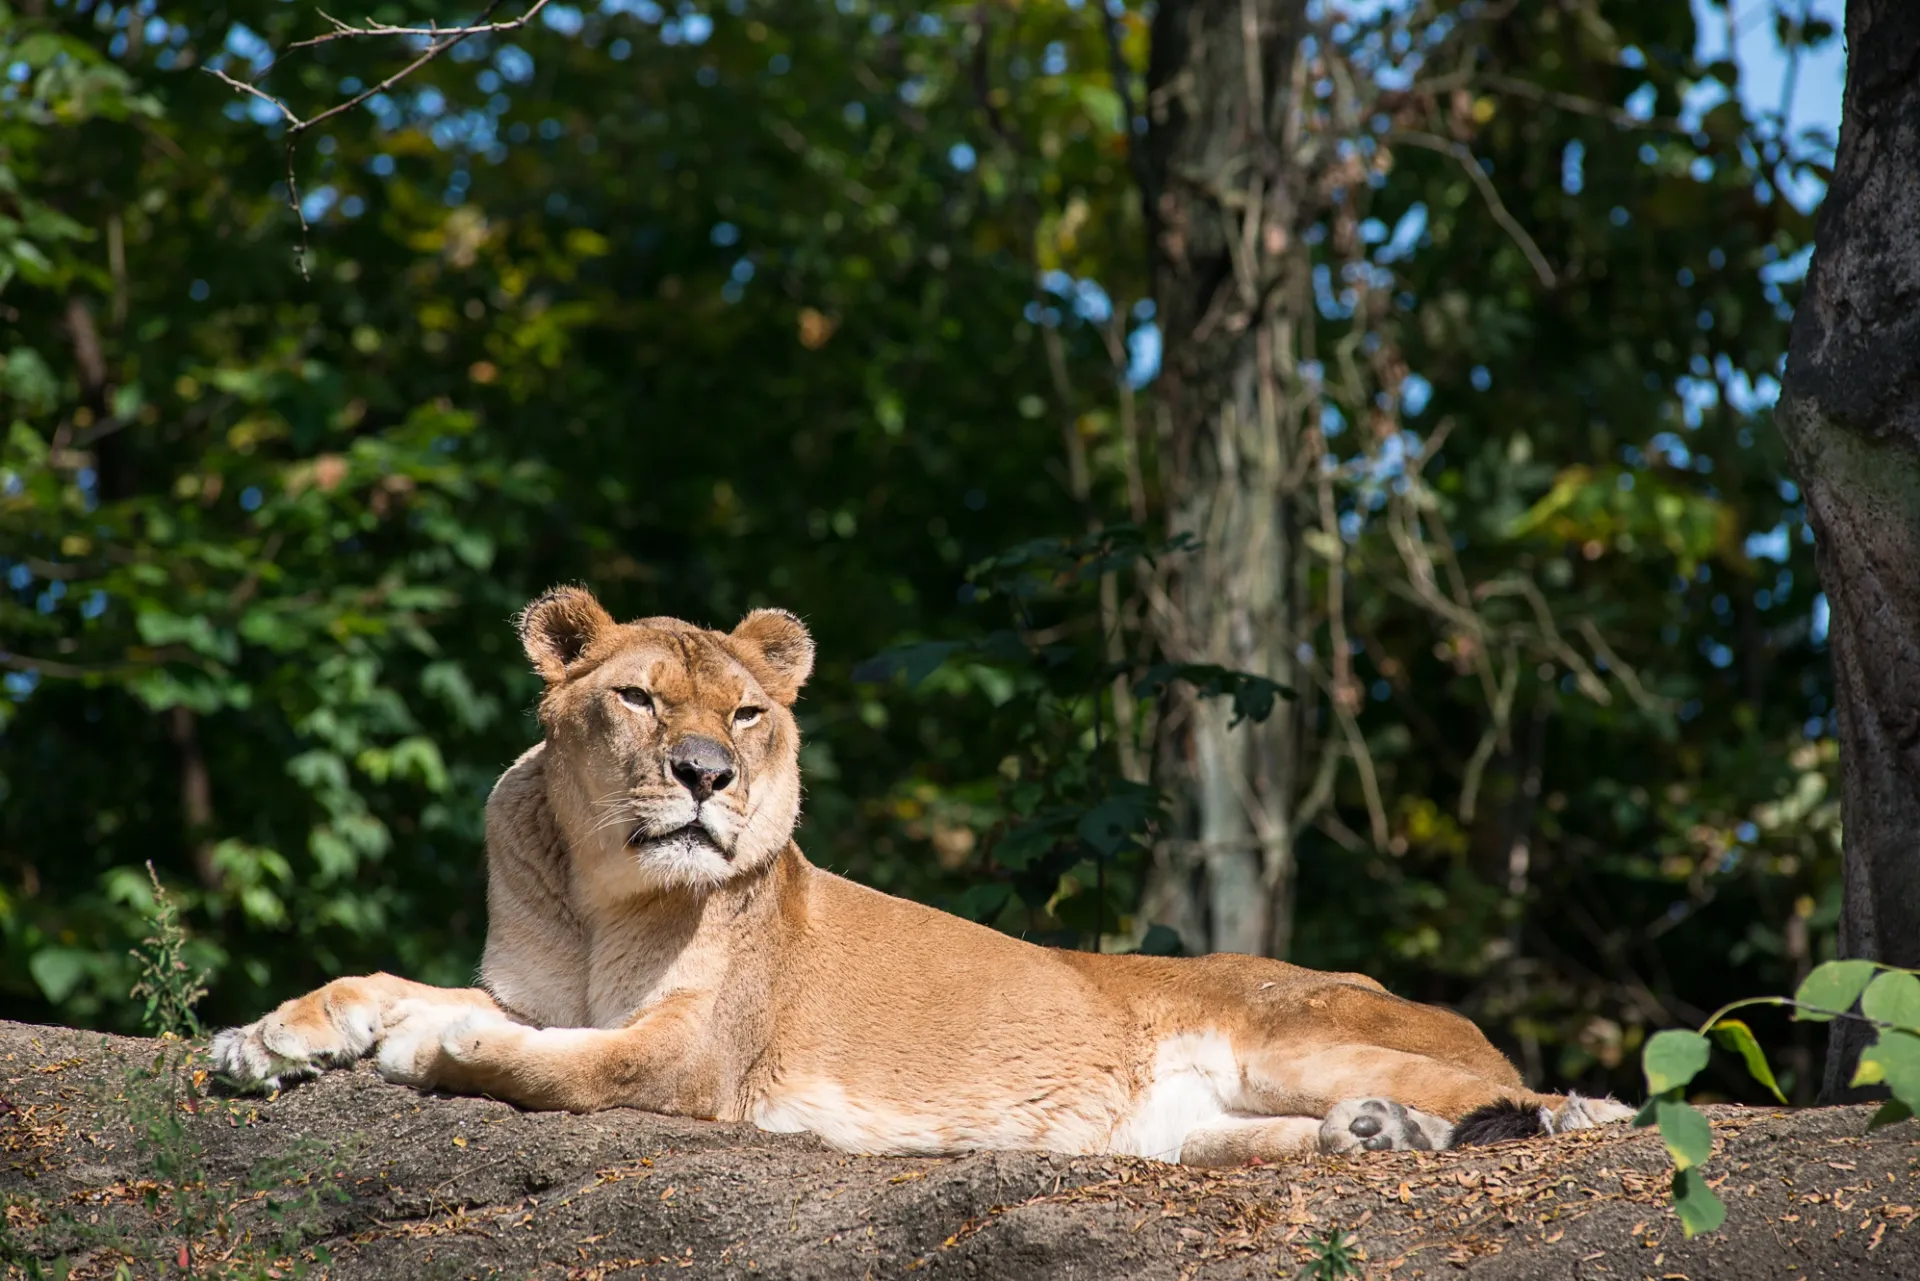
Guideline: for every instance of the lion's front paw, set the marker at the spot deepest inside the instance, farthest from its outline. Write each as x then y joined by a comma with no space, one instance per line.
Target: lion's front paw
426,1039
1380,1125
322,1029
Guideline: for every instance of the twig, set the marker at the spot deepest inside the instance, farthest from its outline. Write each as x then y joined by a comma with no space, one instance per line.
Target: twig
1590,684
1460,152
1620,667
1619,116
293,121
346,31
53,667
440,40
431,52
983,80
1123,88
1483,752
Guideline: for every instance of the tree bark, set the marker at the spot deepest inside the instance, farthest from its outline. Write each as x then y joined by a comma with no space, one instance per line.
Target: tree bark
196,794
1850,413
1222,202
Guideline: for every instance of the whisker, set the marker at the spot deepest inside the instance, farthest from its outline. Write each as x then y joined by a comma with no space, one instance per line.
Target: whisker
614,818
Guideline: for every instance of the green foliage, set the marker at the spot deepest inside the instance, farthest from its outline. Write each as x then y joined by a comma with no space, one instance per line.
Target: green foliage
789,304
1699,1209
1070,854
190,1221
1671,1058
1831,989
1334,1256
1892,999
170,986
188,1211
1734,1035
1888,998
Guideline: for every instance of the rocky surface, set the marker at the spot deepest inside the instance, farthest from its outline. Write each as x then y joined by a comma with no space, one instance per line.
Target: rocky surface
119,1153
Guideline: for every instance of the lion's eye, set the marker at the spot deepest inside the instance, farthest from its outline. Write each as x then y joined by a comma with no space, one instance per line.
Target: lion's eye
636,698
748,715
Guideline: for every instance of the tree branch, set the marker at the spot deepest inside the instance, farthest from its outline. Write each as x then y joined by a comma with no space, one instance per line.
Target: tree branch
347,31
440,39
1461,153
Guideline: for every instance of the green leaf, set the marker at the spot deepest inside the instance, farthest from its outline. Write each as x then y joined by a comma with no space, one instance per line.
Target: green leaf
1893,997
1895,1062
983,902
1109,827
1685,1132
1161,940
1699,1209
1021,845
1892,1112
917,661
1672,1058
58,970
1732,1034
1832,989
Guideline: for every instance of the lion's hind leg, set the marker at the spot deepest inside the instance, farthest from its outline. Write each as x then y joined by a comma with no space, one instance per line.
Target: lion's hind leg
1354,1125
1382,1125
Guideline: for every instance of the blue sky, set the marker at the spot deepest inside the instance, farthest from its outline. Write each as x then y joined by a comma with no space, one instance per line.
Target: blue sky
1763,66
1816,99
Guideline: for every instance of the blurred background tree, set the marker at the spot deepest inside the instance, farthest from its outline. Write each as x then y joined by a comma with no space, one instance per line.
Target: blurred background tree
858,309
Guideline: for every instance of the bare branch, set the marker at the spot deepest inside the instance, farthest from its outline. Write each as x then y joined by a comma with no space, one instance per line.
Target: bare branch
1620,667
55,668
346,31
292,120
1129,110
440,39
1607,111
427,55
1461,153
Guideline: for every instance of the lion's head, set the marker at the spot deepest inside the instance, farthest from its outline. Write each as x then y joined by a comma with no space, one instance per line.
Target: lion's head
673,759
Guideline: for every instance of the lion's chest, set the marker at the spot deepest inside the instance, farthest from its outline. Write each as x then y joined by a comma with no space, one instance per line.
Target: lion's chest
630,970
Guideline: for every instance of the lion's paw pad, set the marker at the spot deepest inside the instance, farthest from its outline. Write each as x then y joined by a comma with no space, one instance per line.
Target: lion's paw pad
1380,1125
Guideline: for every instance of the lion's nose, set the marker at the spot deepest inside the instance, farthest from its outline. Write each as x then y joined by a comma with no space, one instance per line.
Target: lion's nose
702,765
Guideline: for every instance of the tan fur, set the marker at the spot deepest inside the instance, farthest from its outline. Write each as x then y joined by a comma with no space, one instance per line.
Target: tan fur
712,971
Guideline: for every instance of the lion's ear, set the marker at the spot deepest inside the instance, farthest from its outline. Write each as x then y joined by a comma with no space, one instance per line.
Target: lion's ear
785,650
560,626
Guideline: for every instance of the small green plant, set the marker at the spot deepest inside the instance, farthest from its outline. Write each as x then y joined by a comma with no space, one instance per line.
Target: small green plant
188,1222
1334,1256
172,988
1889,999
192,1224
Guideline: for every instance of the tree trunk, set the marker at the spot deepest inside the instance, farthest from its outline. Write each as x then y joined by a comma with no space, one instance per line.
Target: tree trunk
1222,204
1850,413
196,794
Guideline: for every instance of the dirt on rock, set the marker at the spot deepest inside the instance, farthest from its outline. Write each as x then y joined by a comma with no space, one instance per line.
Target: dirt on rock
119,1154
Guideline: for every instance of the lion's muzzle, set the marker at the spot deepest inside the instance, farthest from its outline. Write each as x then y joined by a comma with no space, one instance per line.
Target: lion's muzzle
702,765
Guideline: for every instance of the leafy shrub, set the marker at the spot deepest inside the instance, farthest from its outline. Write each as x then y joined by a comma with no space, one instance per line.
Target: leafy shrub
1888,998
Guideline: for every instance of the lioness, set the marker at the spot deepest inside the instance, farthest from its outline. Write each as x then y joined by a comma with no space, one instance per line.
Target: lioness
657,940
